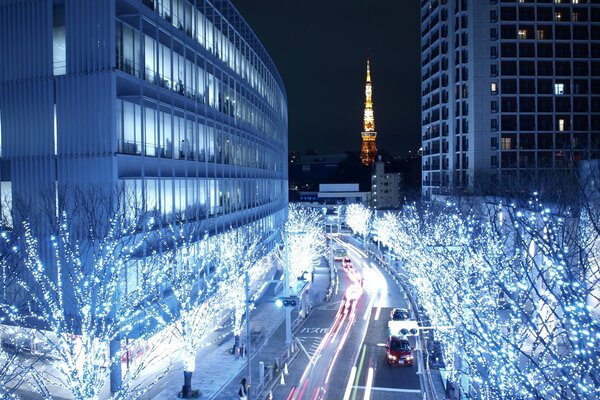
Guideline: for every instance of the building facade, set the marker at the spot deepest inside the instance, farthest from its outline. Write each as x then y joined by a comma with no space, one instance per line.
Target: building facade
510,91
174,102
386,187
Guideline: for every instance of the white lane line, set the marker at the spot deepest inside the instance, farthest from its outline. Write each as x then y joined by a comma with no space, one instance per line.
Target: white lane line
369,384
385,389
377,313
349,385
302,347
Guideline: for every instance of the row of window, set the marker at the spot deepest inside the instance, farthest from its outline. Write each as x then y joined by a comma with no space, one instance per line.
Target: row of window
547,50
214,33
154,133
544,13
560,123
559,86
167,68
197,198
529,104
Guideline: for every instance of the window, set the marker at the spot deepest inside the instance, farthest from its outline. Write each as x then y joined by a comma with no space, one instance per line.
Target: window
494,70
494,88
539,34
522,34
559,88
494,106
506,143
561,124
494,125
59,48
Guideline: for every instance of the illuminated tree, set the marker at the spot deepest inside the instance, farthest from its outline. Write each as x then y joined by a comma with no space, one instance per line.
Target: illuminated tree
194,305
358,218
239,252
504,288
305,231
78,309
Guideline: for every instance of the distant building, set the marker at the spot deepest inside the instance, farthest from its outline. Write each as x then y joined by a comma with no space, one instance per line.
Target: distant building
386,187
307,172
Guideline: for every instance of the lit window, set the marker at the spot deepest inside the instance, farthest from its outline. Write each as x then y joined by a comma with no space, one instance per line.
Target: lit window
522,33
559,88
558,16
506,143
539,34
561,124
494,88
575,16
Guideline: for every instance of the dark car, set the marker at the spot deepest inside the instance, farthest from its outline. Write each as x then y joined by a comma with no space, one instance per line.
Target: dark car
346,259
399,314
398,351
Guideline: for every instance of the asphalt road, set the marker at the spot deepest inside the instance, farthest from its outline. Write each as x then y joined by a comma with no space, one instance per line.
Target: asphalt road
343,343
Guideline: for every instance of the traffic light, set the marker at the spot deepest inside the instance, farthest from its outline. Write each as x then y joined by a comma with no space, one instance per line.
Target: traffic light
287,301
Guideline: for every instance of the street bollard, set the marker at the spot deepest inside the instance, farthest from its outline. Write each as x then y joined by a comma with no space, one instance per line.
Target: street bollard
261,371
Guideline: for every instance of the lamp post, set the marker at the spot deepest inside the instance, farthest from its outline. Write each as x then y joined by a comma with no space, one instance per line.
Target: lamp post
248,341
331,268
286,293
286,289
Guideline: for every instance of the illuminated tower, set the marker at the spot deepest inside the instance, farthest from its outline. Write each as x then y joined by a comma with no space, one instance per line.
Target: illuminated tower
368,150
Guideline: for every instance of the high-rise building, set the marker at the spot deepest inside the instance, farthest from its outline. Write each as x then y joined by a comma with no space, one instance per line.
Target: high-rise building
510,91
368,149
175,102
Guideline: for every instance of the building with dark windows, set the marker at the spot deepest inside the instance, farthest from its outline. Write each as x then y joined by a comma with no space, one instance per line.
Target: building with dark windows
510,91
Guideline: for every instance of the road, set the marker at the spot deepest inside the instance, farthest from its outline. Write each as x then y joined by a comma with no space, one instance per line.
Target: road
343,343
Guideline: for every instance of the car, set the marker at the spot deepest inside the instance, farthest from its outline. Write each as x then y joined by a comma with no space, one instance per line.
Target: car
347,266
346,259
399,314
398,351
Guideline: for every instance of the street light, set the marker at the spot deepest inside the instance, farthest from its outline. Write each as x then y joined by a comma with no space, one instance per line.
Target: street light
286,289
331,268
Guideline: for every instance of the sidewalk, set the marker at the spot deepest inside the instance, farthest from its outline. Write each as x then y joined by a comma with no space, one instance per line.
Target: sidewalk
218,373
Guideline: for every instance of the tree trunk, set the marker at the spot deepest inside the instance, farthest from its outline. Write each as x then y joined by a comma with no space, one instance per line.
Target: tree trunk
186,390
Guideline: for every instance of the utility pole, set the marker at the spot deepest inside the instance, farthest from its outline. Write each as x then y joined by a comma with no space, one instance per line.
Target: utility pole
286,293
248,341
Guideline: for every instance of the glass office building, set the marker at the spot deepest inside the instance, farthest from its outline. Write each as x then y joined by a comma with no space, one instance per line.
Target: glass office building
175,102
510,91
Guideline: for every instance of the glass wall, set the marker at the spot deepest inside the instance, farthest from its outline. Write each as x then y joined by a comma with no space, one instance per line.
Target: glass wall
208,28
185,136
197,198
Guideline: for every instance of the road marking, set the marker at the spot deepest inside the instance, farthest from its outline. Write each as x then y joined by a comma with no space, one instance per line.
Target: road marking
369,386
302,347
385,389
349,386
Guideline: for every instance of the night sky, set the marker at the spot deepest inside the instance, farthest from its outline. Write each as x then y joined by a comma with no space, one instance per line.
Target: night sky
320,49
